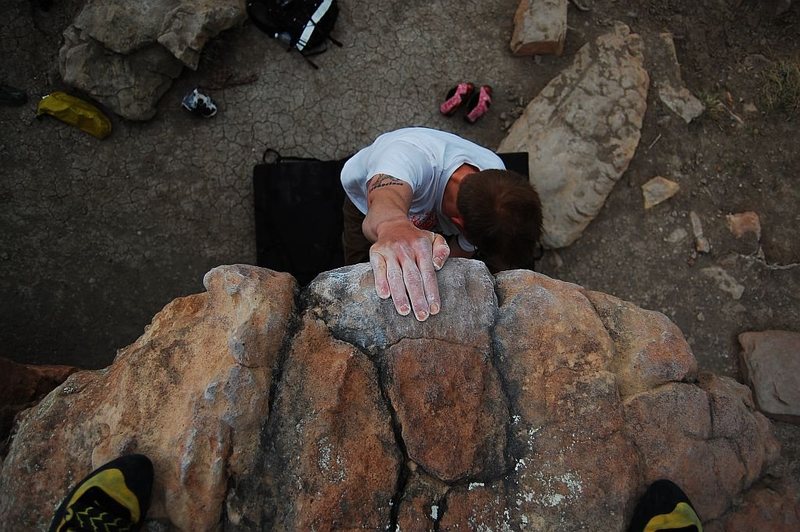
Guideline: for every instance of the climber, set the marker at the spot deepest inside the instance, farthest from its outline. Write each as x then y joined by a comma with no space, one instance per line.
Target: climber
417,196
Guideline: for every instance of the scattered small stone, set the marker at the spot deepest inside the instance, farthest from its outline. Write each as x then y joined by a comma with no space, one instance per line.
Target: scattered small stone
682,102
701,316
657,190
750,108
744,223
540,27
676,236
701,243
670,86
725,281
770,365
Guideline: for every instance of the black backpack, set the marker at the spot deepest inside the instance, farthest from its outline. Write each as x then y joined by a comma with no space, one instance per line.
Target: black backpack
304,25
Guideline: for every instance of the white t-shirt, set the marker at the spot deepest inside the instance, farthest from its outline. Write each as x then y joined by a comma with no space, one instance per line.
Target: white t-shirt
425,159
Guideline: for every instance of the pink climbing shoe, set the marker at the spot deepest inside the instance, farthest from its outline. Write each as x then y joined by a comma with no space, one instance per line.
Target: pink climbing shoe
479,104
456,97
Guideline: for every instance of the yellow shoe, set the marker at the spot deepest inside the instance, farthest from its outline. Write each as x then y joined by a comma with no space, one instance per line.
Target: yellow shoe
114,497
664,506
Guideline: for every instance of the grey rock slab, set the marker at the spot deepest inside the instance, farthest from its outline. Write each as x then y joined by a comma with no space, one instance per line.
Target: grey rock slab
540,27
130,85
770,365
188,27
581,132
124,27
126,56
342,297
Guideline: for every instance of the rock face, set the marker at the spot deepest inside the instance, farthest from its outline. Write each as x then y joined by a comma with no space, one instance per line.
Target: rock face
581,132
126,55
21,387
191,393
770,364
527,403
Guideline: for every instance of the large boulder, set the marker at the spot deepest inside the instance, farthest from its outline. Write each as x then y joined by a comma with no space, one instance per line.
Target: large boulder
526,403
21,387
191,393
127,55
581,132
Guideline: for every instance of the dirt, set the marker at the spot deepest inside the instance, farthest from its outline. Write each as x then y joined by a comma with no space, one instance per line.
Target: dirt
96,237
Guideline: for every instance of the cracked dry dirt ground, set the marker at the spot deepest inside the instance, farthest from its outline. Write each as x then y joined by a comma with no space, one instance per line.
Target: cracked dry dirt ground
96,236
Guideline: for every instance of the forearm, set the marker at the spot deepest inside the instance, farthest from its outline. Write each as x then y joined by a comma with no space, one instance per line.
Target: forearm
388,201
381,215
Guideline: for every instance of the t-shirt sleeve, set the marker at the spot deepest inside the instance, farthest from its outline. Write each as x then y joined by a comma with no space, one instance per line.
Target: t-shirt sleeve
403,161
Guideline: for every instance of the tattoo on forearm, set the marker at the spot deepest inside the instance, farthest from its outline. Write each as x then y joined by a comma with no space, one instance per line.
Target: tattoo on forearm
383,180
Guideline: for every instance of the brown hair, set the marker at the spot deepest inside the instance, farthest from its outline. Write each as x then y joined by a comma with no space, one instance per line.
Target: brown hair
502,217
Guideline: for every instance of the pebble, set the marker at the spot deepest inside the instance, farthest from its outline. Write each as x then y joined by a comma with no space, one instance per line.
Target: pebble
657,190
676,236
701,243
743,223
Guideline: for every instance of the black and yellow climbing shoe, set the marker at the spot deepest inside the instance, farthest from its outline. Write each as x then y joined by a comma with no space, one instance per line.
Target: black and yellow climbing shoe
664,506
114,497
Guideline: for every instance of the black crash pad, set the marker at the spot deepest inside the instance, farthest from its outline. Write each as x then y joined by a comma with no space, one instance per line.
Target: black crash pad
298,213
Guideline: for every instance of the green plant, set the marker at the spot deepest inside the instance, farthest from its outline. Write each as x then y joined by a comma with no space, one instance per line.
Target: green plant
781,88
715,109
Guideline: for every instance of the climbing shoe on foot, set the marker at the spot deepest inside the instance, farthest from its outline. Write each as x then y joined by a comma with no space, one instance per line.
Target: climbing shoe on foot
114,497
664,506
